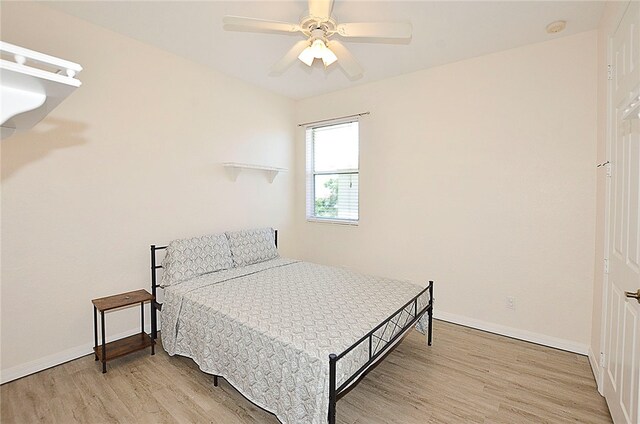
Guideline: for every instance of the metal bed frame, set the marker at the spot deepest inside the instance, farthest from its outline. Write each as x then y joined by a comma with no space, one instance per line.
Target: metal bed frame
378,346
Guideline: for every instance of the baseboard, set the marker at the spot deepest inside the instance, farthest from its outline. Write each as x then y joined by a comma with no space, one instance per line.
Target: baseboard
41,364
595,368
32,367
515,333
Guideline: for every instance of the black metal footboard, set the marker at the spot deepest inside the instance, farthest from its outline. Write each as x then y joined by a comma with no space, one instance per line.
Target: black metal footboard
409,314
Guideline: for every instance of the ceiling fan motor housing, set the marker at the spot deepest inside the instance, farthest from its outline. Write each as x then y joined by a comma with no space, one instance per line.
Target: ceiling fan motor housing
318,34
311,24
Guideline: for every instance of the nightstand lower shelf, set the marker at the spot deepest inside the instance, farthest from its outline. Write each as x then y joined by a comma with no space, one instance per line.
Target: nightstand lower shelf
124,346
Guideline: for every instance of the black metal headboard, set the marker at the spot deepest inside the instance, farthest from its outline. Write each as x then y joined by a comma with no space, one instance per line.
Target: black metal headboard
155,306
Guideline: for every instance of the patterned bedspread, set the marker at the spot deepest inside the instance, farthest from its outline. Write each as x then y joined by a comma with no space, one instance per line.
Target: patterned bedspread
269,328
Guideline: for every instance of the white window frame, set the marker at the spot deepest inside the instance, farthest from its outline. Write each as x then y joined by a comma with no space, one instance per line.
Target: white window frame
311,174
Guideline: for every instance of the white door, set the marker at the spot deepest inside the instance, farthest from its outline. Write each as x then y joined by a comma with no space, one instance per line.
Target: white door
622,331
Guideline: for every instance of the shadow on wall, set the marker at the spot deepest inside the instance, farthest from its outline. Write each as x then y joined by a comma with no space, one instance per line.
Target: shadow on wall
25,148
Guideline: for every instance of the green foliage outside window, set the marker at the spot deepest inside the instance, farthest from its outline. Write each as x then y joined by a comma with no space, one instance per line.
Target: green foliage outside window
326,206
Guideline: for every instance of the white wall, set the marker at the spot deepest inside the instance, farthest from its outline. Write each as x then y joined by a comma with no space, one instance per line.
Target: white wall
480,175
131,158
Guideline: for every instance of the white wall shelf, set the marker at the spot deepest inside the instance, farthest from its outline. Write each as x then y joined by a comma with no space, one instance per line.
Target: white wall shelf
234,168
32,84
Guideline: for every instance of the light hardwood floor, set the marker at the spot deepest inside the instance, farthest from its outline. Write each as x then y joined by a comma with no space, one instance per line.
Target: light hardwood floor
467,376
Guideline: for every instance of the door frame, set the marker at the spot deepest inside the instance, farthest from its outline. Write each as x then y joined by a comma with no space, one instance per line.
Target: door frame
607,218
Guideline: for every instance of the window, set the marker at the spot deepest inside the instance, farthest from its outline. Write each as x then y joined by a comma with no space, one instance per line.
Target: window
333,172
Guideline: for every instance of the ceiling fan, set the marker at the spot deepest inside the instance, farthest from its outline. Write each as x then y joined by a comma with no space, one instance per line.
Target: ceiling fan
318,27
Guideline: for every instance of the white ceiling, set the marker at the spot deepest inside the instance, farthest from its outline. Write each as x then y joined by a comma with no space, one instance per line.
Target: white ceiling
443,32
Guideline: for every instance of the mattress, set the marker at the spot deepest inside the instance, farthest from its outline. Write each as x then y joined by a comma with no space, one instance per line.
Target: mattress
268,328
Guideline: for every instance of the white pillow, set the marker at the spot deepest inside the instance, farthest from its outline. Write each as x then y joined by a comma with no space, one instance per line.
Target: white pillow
252,246
188,258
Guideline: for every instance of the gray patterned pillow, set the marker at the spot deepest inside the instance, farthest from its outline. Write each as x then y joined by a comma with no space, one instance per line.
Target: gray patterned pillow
187,258
252,246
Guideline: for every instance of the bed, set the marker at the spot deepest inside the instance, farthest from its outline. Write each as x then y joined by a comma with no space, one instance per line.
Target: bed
291,336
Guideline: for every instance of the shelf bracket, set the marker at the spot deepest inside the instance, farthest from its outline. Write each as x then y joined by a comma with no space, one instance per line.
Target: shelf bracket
15,102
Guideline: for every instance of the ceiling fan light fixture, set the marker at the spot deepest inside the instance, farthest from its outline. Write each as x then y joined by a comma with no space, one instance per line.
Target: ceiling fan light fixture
329,57
317,50
307,56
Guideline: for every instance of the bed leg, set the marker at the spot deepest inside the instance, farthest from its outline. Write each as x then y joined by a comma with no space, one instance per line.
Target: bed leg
154,318
430,312
215,381
332,388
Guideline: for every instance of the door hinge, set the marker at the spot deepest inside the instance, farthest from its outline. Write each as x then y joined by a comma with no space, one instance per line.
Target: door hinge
607,166
609,169
609,72
602,362
606,266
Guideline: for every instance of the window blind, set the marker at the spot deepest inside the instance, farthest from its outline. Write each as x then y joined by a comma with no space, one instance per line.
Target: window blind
332,177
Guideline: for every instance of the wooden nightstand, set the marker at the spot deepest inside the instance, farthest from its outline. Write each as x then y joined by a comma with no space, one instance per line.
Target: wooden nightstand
111,350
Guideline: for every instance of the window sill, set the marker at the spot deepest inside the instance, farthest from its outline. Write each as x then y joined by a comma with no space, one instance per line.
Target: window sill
333,221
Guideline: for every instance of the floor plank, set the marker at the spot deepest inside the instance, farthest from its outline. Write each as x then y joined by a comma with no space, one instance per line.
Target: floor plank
467,376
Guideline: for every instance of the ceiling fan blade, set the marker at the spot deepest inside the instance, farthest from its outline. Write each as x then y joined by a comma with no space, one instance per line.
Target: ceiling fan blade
346,59
376,30
252,24
320,8
289,58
